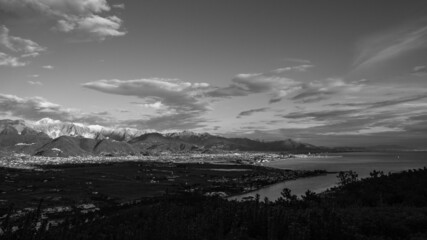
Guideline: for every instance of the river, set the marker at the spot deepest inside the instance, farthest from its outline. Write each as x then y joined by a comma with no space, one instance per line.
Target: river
361,162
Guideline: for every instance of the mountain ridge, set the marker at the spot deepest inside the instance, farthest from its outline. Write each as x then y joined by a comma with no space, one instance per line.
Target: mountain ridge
54,138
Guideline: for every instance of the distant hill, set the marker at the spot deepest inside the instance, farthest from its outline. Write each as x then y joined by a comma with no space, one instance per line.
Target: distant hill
209,141
66,146
111,147
26,141
63,146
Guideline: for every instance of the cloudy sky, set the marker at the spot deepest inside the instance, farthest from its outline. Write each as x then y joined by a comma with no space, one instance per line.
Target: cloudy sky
332,73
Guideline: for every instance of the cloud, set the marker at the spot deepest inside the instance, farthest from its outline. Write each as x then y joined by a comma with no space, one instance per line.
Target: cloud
121,6
36,108
96,26
252,83
321,90
299,68
366,131
173,93
384,103
179,104
279,87
17,48
35,83
392,44
156,105
17,44
319,115
33,108
250,112
103,113
7,60
81,17
175,121
419,71
396,119
48,67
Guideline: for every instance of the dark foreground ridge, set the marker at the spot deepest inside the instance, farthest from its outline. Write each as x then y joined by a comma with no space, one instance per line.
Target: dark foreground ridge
390,206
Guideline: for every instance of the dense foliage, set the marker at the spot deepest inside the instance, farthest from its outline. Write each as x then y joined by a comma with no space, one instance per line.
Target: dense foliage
390,206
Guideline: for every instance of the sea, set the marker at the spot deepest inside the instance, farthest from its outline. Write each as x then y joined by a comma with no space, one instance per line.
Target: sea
361,162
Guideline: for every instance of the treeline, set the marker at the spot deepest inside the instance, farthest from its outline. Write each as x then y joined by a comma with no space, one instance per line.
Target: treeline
392,206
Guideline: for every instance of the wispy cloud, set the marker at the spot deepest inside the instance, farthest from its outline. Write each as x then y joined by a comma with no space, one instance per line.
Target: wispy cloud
35,83
319,115
298,68
250,112
392,44
253,83
366,131
17,44
279,87
17,48
179,104
174,93
325,89
36,108
48,67
154,104
174,121
80,17
419,71
383,103
10,61
121,6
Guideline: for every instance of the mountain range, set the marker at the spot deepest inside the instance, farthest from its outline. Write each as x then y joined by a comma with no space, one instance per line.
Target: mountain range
54,138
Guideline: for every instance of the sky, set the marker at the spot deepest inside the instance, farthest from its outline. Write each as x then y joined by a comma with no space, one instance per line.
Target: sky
330,73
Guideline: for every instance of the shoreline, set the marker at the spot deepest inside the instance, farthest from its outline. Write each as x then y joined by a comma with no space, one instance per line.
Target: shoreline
270,185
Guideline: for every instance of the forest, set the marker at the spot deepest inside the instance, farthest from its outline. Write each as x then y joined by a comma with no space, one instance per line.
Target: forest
383,206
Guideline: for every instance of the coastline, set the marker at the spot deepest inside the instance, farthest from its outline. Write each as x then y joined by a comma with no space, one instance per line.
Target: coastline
230,198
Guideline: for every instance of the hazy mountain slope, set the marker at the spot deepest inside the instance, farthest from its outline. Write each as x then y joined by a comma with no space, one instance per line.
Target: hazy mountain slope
63,146
111,147
19,125
26,142
221,143
156,142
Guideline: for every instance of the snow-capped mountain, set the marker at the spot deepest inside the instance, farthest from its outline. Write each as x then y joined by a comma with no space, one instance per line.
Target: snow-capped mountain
56,128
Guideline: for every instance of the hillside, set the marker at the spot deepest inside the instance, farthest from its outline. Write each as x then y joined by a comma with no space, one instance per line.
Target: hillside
156,142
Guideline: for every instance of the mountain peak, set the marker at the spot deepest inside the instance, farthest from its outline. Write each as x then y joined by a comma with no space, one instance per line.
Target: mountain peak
47,121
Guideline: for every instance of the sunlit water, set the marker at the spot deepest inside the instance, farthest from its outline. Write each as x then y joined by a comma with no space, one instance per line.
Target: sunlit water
361,162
